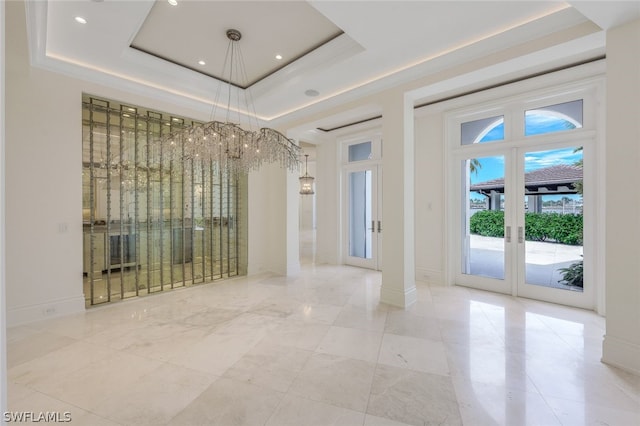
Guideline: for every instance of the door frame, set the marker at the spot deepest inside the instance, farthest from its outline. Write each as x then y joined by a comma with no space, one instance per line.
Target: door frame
586,298
511,103
514,282
376,216
374,163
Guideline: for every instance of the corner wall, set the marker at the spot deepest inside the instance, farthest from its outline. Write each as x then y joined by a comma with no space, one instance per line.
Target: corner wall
429,198
622,340
328,204
44,198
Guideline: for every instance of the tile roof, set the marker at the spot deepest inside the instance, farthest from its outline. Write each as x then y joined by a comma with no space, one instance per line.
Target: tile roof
552,178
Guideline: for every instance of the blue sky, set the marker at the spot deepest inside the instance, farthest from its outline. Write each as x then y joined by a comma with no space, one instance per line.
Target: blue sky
493,167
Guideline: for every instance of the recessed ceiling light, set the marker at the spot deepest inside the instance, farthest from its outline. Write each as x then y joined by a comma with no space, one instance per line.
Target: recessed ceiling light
80,20
311,92
201,62
278,57
173,2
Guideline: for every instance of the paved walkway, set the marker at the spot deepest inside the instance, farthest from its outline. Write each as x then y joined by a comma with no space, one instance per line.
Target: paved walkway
543,260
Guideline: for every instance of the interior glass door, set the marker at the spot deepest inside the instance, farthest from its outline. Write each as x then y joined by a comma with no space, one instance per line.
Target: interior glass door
364,221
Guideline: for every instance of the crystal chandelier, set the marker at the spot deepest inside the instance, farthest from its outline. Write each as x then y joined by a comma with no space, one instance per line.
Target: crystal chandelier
226,144
306,181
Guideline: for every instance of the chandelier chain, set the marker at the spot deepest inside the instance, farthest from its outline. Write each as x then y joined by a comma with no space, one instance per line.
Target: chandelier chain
227,144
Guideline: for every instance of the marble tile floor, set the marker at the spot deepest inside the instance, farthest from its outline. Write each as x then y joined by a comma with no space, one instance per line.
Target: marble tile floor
320,349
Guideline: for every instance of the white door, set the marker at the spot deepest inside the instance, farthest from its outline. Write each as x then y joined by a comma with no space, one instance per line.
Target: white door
524,222
363,215
553,224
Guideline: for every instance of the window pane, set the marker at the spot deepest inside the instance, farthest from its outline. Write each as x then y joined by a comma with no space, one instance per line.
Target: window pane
553,118
553,218
483,194
360,214
360,152
484,130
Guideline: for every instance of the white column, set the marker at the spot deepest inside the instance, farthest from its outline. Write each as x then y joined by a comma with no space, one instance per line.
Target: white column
398,250
622,340
292,223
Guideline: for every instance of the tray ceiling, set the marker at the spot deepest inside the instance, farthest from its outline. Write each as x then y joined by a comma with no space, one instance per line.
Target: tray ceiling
334,52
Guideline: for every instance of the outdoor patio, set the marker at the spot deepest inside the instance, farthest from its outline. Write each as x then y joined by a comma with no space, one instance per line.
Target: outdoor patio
543,260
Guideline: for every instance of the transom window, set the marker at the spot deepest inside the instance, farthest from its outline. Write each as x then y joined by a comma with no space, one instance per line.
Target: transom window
537,121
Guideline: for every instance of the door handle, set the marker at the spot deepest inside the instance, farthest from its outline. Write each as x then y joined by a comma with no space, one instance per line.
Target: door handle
520,234
373,226
508,234
379,227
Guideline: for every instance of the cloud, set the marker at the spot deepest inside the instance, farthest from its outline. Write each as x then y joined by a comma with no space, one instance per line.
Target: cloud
538,160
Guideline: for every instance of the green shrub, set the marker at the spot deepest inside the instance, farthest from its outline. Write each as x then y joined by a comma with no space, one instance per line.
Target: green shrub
488,223
556,227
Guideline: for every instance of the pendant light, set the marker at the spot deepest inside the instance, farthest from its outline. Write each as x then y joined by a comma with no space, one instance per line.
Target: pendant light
306,181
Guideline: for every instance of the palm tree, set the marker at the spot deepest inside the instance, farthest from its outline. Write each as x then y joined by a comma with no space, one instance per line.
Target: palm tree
474,165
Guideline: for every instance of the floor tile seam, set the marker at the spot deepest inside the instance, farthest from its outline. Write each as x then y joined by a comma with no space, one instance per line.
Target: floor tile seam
545,395
293,381
175,364
633,396
414,337
375,371
281,397
85,409
29,387
469,381
308,398
449,369
32,331
556,412
317,345
574,349
413,370
172,365
45,354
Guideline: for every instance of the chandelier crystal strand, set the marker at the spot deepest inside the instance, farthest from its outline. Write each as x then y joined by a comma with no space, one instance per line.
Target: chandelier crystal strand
227,145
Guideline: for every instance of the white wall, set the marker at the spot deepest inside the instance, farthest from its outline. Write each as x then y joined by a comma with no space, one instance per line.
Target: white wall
429,198
622,341
43,147
328,204
44,194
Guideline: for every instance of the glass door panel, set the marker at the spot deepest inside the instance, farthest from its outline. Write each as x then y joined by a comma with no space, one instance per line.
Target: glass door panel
482,228
364,223
553,218
360,225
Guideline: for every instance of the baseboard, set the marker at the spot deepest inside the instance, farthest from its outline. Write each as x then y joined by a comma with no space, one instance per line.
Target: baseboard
621,353
429,276
401,299
41,311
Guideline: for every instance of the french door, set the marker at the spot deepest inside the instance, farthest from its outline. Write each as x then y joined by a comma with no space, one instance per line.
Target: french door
524,227
363,215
